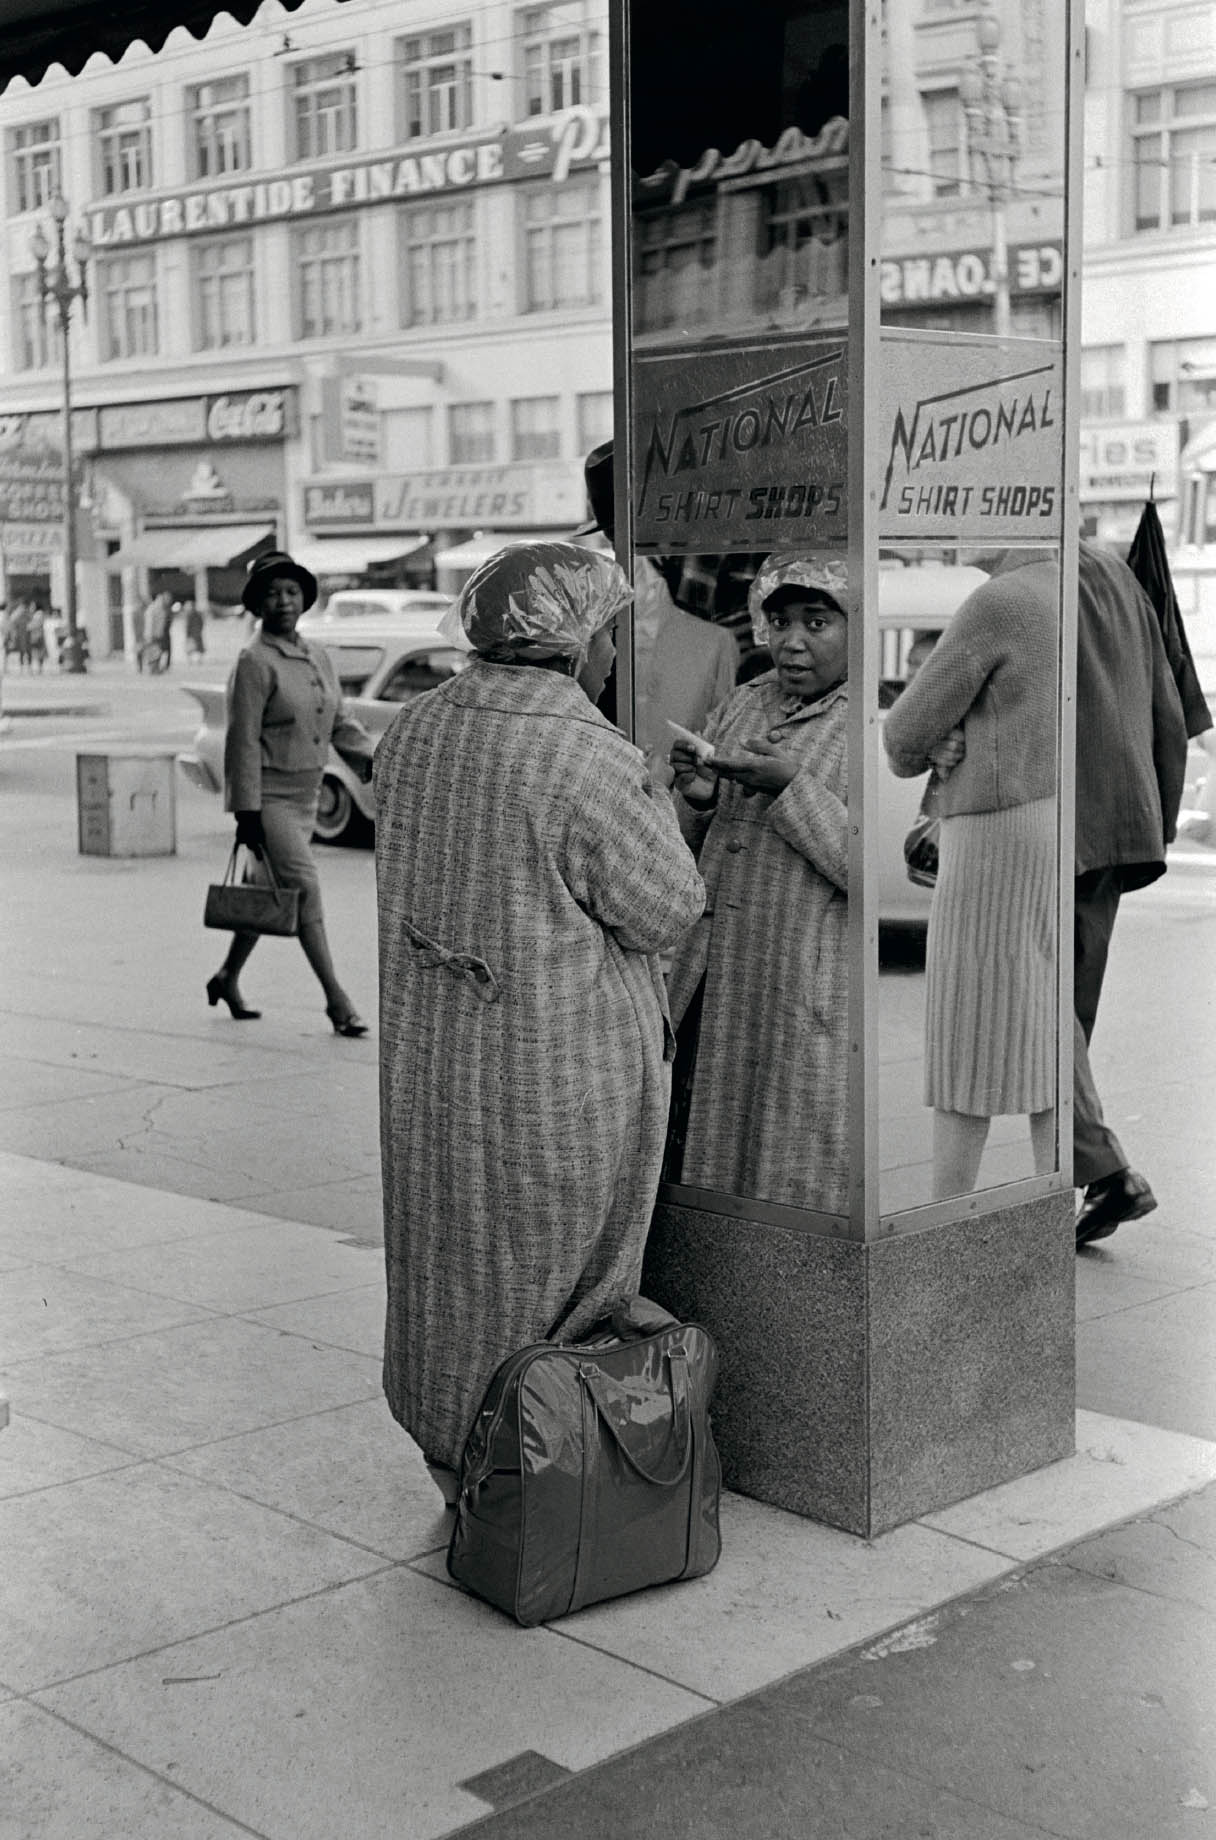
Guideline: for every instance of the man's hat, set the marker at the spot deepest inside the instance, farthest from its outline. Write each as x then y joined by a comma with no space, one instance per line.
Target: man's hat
597,473
265,568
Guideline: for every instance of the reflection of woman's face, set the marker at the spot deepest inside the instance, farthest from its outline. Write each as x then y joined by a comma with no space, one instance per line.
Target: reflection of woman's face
809,642
282,605
601,656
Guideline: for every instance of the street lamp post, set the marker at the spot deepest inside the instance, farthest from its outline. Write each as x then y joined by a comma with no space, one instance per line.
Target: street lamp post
992,109
56,282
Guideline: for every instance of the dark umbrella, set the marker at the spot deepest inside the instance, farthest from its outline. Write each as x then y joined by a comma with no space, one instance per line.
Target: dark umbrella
1148,562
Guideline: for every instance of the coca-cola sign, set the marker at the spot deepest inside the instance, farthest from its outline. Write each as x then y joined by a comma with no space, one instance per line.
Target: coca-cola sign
249,415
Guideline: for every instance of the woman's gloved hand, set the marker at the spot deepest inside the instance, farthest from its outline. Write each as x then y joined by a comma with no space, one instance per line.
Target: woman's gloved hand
250,832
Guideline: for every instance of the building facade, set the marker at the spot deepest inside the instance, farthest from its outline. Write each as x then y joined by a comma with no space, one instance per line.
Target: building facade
1148,361
349,291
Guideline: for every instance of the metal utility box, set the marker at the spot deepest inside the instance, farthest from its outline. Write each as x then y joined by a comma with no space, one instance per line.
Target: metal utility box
126,804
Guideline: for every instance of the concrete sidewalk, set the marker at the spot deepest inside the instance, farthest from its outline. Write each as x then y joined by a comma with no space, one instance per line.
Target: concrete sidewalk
223,1604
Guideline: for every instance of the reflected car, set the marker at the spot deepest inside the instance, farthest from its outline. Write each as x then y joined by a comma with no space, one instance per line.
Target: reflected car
379,670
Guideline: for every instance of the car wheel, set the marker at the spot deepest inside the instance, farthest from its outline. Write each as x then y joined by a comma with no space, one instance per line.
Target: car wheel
335,811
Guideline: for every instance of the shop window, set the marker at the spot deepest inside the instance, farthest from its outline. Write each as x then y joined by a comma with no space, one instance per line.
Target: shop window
471,433
1173,137
123,139
126,292
560,54
37,339
328,290
437,82
220,137
324,119
33,164
675,254
593,419
564,245
1102,382
535,430
1182,376
438,263
223,293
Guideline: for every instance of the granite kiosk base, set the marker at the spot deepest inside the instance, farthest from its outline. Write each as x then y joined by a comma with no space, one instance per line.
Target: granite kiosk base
867,1384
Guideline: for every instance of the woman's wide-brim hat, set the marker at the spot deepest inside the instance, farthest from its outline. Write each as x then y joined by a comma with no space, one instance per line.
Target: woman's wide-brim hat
266,568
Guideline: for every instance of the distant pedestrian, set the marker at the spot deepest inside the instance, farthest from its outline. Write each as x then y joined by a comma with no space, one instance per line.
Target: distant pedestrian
528,872
36,629
17,635
1131,764
193,623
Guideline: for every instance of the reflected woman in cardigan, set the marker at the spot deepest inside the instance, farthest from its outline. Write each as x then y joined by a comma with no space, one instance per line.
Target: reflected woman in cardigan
285,709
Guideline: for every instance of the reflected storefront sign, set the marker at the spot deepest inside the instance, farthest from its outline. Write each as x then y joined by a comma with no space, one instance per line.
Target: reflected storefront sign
742,448
967,274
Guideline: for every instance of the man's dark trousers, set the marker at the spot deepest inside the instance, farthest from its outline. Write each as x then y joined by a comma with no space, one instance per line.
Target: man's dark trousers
1096,1150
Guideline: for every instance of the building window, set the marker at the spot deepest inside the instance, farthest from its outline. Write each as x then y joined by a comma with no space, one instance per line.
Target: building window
438,260
223,291
535,434
560,57
563,246
1182,376
323,100
123,138
220,140
593,419
470,432
126,289
944,122
37,339
1174,156
676,252
33,157
325,261
437,79
1102,388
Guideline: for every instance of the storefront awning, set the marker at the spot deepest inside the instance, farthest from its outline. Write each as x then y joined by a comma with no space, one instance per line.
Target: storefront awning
221,547
479,549
35,33
352,555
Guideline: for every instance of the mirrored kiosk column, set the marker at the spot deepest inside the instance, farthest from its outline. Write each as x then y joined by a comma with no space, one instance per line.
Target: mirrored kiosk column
844,385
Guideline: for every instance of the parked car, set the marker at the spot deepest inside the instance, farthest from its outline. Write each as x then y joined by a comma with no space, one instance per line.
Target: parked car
384,670
381,604
382,664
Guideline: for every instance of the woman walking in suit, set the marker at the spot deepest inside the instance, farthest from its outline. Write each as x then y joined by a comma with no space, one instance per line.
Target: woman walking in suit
285,709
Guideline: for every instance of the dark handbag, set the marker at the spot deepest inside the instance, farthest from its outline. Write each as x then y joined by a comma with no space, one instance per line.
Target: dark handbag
591,1469
923,840
250,907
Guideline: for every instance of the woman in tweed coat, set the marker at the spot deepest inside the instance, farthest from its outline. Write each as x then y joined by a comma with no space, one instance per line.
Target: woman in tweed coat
527,873
767,966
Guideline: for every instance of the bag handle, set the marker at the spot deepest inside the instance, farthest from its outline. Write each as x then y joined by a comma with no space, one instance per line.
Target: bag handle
230,871
596,1384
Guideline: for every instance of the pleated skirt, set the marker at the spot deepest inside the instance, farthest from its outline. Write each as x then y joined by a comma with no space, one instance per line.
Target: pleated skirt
990,1006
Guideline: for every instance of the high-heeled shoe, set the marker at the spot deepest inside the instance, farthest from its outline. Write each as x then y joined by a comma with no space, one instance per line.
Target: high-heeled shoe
345,1021
221,989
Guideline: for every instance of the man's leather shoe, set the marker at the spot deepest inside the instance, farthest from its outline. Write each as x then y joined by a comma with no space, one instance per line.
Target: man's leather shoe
1108,1203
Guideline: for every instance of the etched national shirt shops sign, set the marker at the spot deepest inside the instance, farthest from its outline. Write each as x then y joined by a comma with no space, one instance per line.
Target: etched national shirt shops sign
972,437
577,138
741,448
